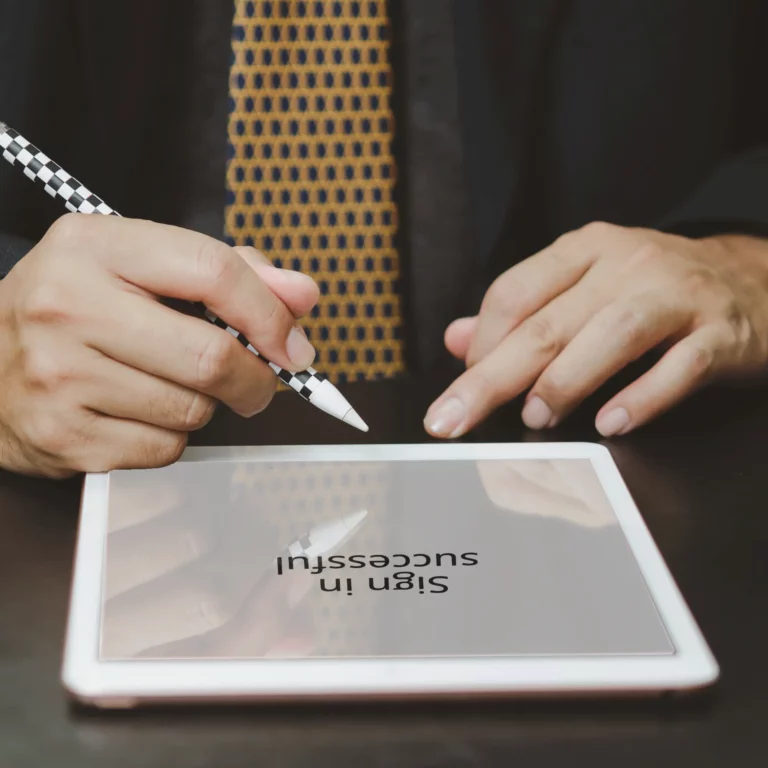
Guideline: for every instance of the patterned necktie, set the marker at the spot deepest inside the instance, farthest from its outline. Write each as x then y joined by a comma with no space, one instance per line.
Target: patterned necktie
310,175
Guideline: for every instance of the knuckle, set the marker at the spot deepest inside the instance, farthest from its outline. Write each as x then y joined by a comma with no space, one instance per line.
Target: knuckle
734,333
275,321
48,433
700,361
729,308
69,230
543,334
166,450
737,334
556,387
482,387
558,258
214,361
628,323
43,371
564,239
698,281
506,295
197,412
46,302
146,453
180,410
598,230
648,254
711,298
216,264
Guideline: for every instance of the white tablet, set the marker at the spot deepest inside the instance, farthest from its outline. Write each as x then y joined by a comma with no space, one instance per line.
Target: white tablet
373,571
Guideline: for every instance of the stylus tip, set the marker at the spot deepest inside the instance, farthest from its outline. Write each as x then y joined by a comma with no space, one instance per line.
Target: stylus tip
354,420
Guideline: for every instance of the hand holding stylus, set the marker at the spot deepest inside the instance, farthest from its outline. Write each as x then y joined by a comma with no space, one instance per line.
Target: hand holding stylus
109,417
98,374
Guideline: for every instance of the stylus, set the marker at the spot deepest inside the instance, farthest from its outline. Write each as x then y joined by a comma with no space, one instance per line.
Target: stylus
325,537
313,386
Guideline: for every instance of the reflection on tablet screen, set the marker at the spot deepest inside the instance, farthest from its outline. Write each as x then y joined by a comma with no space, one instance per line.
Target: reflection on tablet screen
401,558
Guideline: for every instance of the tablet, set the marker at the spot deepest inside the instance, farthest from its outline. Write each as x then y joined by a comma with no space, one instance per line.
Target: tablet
441,569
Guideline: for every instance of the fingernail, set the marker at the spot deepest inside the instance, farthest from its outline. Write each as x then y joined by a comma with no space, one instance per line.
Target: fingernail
251,414
536,413
463,321
300,351
445,419
252,255
613,422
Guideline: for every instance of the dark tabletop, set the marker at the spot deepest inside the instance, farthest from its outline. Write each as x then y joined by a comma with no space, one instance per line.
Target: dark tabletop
700,478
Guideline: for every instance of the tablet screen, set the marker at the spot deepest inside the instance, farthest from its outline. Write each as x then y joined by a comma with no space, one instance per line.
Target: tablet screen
254,559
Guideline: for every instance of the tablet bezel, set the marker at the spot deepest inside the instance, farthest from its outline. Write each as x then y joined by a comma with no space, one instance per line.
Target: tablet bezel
126,683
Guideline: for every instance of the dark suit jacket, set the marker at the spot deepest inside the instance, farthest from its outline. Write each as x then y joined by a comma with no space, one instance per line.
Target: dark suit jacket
520,120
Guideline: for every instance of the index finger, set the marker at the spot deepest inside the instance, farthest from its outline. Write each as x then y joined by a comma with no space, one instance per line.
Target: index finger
511,367
178,263
523,290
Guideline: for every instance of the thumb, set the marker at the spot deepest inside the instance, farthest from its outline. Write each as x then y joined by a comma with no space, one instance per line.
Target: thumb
298,291
458,336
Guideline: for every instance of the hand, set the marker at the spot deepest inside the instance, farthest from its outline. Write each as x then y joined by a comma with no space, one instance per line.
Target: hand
567,319
97,374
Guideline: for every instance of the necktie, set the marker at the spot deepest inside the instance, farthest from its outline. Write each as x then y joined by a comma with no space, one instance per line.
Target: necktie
310,176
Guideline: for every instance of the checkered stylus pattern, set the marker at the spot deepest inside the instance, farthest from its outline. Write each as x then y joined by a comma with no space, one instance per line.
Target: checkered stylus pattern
56,181
78,199
304,382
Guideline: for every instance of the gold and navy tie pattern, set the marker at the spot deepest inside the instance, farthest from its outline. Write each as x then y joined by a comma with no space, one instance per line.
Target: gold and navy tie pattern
311,175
